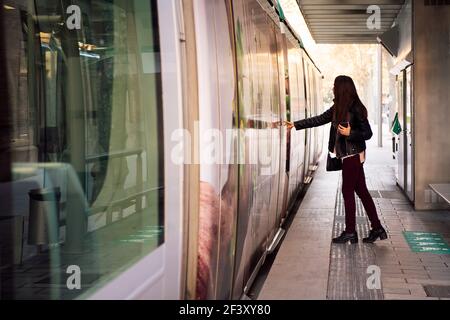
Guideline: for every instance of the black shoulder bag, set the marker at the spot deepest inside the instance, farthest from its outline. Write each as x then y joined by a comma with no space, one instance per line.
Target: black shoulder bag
333,164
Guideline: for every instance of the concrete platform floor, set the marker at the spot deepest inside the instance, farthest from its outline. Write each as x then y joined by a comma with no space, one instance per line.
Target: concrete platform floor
308,266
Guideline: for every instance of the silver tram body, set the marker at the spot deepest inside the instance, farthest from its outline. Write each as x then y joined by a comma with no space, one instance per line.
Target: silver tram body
96,113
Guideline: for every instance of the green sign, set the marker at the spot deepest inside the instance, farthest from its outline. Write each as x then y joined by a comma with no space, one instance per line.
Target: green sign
396,126
426,242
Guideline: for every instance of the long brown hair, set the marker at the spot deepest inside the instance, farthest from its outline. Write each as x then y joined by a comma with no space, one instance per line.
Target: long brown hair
346,97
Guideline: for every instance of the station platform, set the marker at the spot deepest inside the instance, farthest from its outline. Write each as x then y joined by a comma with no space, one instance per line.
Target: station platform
308,266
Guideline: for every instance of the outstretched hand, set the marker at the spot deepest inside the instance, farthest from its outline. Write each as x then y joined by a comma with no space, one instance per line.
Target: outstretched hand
289,125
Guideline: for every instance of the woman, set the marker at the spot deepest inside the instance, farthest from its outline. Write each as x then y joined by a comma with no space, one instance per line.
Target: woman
349,131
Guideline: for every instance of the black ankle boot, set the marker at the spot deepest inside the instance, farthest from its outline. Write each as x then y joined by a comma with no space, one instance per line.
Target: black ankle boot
346,237
375,234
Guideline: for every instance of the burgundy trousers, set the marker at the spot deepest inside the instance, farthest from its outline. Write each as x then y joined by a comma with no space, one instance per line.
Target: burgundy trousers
354,180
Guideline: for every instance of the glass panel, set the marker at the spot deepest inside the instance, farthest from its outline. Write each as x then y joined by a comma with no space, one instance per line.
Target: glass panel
86,189
299,144
283,94
408,113
295,96
256,84
218,177
274,145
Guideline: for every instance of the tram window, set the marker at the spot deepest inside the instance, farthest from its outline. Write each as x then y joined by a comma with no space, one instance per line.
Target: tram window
85,186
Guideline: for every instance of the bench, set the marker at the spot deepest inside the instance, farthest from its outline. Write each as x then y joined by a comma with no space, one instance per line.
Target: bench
443,190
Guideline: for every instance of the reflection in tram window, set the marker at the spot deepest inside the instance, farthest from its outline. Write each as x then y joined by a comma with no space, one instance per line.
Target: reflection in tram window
86,181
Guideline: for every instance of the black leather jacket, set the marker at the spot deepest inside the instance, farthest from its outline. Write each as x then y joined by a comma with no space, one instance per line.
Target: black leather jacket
353,144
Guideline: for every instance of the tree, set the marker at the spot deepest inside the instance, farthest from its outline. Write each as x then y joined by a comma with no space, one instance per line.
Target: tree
354,60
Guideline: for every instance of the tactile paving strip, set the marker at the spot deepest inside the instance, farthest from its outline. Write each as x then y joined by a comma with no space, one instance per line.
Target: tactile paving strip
348,263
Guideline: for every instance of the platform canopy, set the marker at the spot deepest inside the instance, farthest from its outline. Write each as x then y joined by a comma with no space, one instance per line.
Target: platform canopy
346,21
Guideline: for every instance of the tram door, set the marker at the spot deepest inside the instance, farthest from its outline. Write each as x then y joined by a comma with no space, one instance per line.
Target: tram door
308,115
405,154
